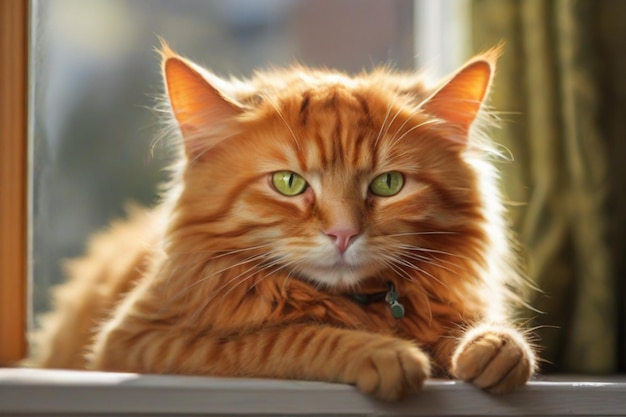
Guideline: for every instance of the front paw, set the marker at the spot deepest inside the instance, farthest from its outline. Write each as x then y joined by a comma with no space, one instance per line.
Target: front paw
496,359
390,370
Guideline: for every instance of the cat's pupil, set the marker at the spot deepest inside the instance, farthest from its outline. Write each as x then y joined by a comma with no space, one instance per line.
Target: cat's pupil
388,180
290,180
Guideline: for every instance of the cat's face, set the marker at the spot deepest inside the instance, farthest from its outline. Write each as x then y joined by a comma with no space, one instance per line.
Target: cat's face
333,180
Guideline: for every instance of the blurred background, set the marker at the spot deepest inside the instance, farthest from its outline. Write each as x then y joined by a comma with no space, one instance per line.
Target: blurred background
560,91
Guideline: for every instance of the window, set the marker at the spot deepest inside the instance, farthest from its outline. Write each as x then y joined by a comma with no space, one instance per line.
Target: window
97,78
92,74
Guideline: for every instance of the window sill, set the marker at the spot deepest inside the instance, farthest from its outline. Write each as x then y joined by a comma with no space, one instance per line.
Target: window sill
30,392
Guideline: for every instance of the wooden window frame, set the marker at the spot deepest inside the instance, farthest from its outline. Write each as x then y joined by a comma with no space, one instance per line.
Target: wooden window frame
13,178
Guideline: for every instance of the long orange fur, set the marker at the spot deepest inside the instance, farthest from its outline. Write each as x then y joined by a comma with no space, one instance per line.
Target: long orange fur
228,277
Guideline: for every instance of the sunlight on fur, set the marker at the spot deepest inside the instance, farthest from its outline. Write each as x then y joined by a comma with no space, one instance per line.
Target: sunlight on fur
303,199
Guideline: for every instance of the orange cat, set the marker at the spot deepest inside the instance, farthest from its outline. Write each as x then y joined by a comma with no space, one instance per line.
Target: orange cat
318,226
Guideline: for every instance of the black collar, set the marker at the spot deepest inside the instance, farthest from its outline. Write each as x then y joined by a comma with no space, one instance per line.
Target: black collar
390,296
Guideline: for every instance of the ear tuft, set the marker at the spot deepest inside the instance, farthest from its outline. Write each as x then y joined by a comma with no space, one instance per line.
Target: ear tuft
164,50
461,97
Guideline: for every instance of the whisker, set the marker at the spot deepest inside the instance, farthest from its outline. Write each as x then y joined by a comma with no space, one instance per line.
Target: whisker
417,268
203,279
252,272
382,126
407,264
232,252
222,252
409,253
281,266
396,140
432,262
441,232
282,117
398,129
206,149
393,119
437,251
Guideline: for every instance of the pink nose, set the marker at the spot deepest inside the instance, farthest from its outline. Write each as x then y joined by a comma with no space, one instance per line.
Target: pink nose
342,237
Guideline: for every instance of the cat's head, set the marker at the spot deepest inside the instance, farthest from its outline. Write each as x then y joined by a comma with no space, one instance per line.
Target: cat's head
329,177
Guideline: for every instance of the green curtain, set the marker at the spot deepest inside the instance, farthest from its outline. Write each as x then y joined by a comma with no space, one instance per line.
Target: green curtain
560,89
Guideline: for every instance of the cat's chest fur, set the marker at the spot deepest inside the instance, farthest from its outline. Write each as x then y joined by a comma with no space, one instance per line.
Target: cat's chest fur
294,192
290,300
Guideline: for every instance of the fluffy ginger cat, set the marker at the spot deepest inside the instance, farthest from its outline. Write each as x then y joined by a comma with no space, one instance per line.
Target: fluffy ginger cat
318,226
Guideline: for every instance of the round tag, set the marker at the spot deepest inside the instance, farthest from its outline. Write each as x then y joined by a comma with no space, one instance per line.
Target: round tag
397,310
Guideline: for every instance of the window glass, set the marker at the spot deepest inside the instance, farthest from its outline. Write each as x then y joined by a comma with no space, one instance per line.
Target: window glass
96,77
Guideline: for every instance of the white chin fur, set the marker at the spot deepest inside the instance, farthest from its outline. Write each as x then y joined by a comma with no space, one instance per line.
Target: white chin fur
338,277
329,268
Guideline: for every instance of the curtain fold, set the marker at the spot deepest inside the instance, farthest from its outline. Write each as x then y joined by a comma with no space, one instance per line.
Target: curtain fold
551,91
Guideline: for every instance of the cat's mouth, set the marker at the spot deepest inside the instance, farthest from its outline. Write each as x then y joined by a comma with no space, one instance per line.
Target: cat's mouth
324,264
338,273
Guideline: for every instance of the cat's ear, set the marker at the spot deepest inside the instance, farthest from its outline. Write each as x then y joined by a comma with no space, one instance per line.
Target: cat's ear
199,105
461,96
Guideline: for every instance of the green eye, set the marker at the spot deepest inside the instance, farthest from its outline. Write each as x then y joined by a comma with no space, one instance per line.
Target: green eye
288,183
387,184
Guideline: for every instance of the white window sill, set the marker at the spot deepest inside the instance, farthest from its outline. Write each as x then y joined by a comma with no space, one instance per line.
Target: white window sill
29,392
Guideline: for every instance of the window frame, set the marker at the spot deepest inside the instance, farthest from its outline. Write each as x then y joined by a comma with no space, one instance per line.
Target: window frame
88,393
13,178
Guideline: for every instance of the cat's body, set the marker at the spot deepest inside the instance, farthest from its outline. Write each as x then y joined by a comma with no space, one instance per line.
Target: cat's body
301,191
